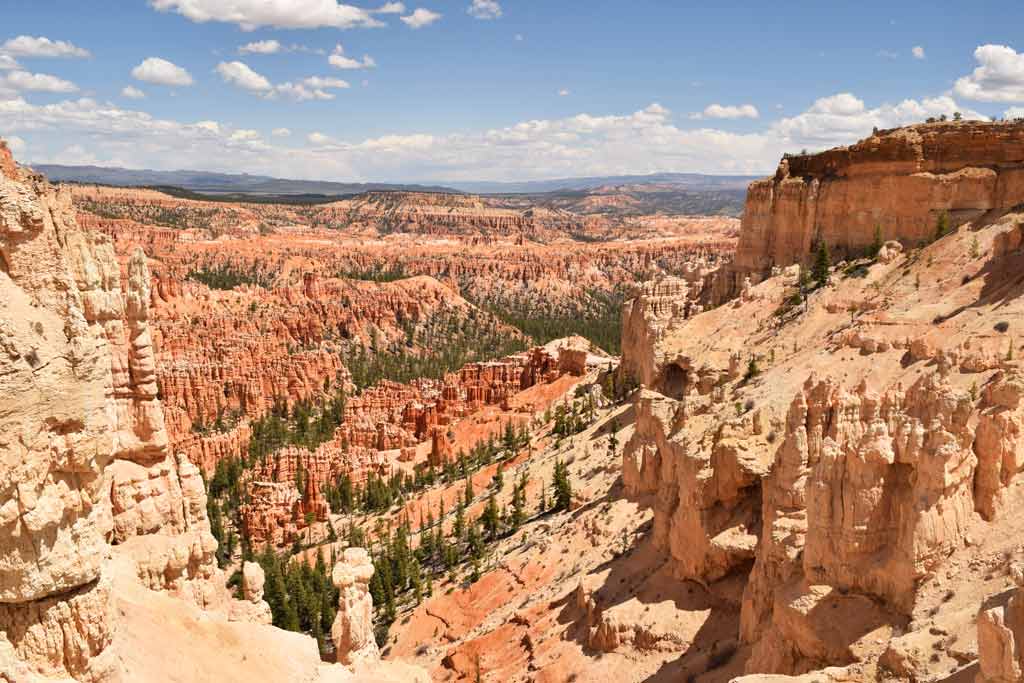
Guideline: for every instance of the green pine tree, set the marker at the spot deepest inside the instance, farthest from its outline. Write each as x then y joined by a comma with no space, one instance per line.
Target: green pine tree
562,486
822,265
942,225
876,243
491,517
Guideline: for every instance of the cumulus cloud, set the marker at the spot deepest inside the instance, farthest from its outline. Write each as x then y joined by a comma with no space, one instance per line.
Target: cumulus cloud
390,8
280,132
240,75
918,52
564,92
645,141
23,80
339,61
132,93
484,9
161,72
999,78
312,88
843,118
29,46
718,111
252,14
7,62
260,47
421,17
244,135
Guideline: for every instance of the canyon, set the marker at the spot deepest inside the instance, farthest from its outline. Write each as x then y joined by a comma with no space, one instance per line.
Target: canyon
436,436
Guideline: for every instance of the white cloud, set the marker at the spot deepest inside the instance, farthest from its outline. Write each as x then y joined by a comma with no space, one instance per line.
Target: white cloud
312,88
917,51
1000,78
29,46
718,111
390,8
8,62
23,80
563,92
645,141
484,9
1014,113
132,93
260,47
325,82
161,72
280,132
844,118
243,134
239,74
421,17
339,61
252,14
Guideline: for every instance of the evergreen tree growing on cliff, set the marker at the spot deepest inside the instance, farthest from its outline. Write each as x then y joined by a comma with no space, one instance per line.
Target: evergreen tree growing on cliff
876,243
942,225
491,518
562,486
822,264
519,502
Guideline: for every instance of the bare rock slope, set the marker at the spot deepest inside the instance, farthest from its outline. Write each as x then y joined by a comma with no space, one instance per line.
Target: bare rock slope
852,456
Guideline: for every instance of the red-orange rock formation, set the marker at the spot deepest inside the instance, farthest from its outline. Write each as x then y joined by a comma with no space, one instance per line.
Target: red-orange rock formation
898,181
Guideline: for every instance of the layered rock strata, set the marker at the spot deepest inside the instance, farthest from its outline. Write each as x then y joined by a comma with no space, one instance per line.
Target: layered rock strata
898,181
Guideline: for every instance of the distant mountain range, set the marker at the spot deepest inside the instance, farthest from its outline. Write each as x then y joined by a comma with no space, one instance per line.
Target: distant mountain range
680,181
219,183
243,183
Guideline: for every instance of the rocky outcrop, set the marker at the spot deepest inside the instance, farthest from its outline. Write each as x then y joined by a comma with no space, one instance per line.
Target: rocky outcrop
252,607
352,631
867,495
896,180
647,318
82,439
57,435
1001,638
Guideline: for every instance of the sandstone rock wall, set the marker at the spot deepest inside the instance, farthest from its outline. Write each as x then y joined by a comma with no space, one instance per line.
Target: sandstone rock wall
898,180
83,446
57,436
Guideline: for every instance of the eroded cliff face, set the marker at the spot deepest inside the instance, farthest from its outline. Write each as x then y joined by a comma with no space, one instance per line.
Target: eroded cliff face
107,565
82,439
57,437
851,461
896,180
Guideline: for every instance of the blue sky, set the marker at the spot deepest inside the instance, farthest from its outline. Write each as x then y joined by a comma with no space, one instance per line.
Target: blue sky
487,89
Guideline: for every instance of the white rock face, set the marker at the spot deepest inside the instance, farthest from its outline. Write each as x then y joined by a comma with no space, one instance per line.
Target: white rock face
352,631
56,439
252,608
